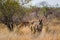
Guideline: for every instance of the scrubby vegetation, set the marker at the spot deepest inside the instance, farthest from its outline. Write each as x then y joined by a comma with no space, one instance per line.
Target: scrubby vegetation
20,23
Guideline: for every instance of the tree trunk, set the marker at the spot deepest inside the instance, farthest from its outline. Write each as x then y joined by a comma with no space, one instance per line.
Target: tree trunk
10,26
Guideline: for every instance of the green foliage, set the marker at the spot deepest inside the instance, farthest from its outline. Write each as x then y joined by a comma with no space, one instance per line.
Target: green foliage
11,7
8,9
44,10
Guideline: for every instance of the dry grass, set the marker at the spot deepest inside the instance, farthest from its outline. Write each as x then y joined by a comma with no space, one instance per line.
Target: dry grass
53,33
